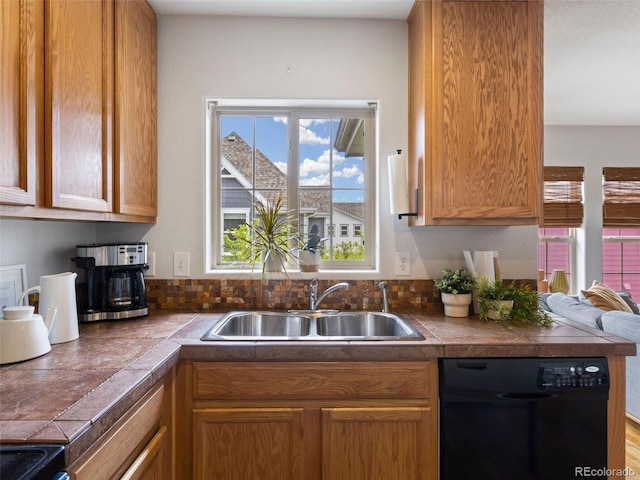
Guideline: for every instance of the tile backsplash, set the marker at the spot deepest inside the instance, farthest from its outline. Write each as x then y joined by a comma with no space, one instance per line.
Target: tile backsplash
225,295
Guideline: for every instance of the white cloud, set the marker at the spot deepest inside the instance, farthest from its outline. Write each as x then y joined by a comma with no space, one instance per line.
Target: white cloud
309,167
309,137
317,181
321,165
347,172
282,166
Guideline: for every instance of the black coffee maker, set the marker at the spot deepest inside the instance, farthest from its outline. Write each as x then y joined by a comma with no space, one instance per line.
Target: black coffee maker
113,284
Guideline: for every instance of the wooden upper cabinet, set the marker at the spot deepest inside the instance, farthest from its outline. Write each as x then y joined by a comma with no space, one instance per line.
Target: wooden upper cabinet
475,111
78,110
21,69
79,60
136,112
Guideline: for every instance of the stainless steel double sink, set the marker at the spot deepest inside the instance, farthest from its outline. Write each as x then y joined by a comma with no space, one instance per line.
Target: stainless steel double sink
308,325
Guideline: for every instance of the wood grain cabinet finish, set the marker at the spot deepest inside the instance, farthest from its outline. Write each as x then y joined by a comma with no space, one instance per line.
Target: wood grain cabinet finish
79,105
377,443
79,100
475,111
265,443
21,105
309,420
136,112
138,446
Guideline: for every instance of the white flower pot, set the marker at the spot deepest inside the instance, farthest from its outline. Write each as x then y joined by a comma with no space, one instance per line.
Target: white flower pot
456,305
308,260
498,308
273,261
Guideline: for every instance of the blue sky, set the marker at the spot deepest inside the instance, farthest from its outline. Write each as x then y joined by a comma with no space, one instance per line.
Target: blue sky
315,148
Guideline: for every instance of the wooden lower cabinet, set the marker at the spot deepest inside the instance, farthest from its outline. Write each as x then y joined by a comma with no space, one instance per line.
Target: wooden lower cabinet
377,443
139,446
309,420
248,443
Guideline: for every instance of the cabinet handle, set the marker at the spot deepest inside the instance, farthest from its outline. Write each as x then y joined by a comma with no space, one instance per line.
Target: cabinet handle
146,456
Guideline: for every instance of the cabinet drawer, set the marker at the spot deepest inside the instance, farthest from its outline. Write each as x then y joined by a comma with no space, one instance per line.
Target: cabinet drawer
311,380
120,445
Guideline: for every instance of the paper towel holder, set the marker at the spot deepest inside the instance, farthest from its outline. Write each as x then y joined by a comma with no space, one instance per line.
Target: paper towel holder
411,214
404,180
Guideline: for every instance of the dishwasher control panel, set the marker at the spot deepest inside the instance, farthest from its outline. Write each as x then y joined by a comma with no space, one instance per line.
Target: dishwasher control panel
579,373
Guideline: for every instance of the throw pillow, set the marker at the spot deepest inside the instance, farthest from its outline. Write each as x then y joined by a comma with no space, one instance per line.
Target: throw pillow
603,297
627,298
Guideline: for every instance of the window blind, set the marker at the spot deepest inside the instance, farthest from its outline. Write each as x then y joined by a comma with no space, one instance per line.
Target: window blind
621,197
563,205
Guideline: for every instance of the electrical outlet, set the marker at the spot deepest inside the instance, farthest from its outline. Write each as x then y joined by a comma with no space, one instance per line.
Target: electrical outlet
180,264
151,261
403,263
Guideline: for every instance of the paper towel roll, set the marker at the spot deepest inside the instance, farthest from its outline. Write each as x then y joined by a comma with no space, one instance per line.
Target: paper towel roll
399,183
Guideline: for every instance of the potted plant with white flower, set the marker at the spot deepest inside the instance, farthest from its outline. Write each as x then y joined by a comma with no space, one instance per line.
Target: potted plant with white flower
456,287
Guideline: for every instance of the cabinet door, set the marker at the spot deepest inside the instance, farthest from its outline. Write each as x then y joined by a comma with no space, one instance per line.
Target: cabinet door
21,89
136,117
79,101
476,111
397,443
236,444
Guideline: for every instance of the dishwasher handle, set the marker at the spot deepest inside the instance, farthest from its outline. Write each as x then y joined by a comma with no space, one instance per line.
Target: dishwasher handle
528,396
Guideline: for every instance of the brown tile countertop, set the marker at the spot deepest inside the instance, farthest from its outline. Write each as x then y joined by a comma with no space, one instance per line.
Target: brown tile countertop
75,393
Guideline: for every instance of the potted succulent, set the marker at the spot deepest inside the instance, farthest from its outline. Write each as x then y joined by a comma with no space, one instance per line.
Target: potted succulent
455,290
309,254
269,236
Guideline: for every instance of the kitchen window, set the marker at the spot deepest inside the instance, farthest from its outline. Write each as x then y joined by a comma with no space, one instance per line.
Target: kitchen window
556,250
321,157
563,212
620,233
621,259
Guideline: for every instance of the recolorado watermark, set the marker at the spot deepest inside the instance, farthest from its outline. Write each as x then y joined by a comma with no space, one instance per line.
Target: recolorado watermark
604,472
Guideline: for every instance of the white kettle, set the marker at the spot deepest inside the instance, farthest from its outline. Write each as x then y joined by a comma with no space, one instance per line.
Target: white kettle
58,291
25,338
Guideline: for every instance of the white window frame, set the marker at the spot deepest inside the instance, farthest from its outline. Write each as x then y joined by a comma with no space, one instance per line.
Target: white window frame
618,239
295,110
571,240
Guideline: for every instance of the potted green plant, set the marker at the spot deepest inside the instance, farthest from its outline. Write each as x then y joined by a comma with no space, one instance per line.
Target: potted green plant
309,253
510,304
495,299
455,290
526,309
270,236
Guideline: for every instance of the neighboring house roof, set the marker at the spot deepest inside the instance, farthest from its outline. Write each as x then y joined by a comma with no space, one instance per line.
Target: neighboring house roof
238,154
350,137
354,209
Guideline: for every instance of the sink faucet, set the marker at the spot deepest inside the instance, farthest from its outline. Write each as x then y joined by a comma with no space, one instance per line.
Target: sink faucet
314,299
385,301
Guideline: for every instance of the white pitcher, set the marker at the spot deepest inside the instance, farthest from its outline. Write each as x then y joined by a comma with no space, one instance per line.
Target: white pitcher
480,264
58,291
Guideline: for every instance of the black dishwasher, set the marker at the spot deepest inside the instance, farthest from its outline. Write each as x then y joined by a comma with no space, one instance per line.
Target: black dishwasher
523,418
